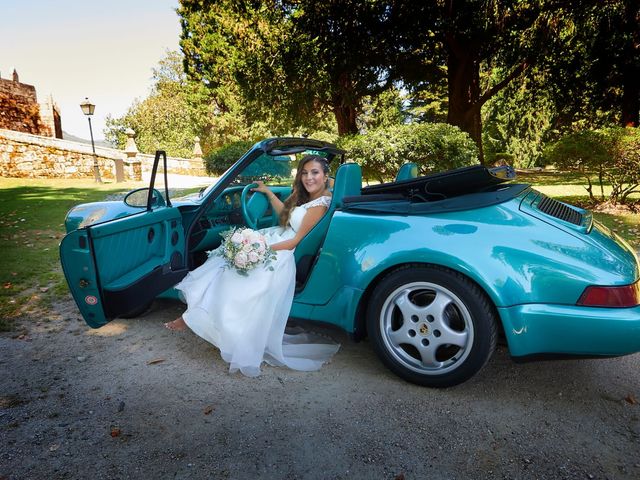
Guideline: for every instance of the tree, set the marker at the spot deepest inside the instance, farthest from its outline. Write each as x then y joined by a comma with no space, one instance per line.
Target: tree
285,65
466,43
383,110
611,154
179,109
517,122
169,118
297,60
596,76
432,146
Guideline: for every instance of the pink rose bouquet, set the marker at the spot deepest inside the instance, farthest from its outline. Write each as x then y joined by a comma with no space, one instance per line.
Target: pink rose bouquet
244,249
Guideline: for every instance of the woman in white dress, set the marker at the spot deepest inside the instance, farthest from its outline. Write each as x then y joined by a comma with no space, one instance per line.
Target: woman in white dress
245,316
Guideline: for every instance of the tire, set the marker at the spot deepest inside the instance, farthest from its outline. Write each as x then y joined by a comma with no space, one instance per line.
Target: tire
431,326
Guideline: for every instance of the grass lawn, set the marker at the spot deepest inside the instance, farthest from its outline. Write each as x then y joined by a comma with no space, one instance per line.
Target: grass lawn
32,213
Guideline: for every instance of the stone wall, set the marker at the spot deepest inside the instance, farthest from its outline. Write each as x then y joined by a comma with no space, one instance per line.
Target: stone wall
50,118
182,166
32,156
24,155
20,111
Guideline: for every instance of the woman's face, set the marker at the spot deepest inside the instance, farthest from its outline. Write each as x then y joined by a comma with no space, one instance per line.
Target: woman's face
313,178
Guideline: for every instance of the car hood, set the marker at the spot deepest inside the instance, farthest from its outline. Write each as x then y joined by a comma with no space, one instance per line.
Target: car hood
87,214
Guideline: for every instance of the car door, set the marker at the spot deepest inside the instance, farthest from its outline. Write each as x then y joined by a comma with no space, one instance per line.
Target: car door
117,267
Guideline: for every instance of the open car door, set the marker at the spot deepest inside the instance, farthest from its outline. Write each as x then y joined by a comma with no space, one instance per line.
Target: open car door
118,267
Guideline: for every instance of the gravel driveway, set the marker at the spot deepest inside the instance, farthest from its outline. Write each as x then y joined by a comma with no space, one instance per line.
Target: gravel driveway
133,400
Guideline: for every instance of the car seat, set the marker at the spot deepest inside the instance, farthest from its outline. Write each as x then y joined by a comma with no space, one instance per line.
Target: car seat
348,182
407,171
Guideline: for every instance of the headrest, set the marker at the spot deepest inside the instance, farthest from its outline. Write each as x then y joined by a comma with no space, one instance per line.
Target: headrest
348,182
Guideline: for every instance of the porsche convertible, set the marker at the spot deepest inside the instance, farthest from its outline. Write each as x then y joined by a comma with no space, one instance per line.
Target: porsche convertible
432,269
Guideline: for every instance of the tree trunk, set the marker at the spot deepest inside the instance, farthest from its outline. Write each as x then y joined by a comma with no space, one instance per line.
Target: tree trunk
344,105
463,75
345,118
631,70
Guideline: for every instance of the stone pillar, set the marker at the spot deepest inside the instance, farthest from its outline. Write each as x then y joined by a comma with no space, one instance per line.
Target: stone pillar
196,159
197,150
131,151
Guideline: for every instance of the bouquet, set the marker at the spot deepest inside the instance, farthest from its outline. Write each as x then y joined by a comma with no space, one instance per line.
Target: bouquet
244,249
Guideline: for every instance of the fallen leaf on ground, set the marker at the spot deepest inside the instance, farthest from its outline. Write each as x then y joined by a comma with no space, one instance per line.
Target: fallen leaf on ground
208,410
115,432
10,401
7,285
54,447
631,399
44,289
155,360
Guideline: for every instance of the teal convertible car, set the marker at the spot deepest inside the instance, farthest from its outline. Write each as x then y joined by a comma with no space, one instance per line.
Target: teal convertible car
432,269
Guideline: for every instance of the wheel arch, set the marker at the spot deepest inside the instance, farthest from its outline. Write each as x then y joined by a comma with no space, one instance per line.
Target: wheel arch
360,321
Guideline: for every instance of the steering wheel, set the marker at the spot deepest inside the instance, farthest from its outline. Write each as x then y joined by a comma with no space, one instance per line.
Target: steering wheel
254,206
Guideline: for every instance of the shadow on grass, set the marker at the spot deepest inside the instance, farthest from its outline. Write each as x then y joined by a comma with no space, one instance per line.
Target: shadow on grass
31,228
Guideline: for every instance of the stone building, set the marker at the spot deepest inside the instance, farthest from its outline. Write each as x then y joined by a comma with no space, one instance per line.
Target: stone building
21,112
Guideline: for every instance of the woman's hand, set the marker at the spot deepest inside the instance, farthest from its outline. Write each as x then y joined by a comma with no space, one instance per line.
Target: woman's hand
262,188
275,202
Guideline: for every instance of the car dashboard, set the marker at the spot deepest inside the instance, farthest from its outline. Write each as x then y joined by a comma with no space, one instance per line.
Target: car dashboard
224,213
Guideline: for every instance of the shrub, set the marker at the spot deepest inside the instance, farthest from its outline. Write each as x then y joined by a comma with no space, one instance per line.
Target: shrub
612,154
433,146
218,161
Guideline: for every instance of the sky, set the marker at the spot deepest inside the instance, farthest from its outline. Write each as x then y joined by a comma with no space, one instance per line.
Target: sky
72,49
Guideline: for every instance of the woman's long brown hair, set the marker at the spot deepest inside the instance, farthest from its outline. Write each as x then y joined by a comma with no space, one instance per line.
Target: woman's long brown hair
299,195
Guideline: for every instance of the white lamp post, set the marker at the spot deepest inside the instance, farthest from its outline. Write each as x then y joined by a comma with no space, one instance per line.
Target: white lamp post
88,109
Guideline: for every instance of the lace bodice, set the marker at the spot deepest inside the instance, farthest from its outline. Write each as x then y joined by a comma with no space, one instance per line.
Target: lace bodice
323,201
299,212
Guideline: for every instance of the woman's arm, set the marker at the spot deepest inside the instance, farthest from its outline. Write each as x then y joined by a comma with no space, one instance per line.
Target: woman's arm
313,216
275,202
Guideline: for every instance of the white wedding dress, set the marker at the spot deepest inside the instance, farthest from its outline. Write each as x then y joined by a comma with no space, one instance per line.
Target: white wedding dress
245,316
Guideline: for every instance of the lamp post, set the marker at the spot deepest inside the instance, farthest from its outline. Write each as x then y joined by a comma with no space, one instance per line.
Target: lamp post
88,109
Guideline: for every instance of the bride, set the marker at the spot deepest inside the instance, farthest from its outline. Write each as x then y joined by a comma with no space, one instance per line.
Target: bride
245,316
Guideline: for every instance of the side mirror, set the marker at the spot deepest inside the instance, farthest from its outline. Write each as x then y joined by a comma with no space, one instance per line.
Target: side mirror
138,198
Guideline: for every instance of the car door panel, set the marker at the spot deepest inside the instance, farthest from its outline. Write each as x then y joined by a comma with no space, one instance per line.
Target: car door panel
124,263
140,243
80,272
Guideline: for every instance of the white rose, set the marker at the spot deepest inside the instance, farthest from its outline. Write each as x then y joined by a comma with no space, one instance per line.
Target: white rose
253,257
236,237
255,237
246,233
247,247
241,260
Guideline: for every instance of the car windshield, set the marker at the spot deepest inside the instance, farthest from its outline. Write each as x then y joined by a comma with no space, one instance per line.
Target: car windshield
268,168
271,169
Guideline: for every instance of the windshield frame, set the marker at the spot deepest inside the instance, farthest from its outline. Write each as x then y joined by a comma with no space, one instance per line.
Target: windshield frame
274,147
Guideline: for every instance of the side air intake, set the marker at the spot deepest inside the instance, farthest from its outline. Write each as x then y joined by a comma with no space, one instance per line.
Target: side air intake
559,210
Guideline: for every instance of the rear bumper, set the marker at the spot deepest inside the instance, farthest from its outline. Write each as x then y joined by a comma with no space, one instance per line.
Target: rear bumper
538,329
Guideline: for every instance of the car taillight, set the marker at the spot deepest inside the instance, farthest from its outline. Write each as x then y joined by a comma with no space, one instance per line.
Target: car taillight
623,296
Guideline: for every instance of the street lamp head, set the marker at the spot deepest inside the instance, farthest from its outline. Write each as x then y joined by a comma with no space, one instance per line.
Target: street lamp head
87,107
